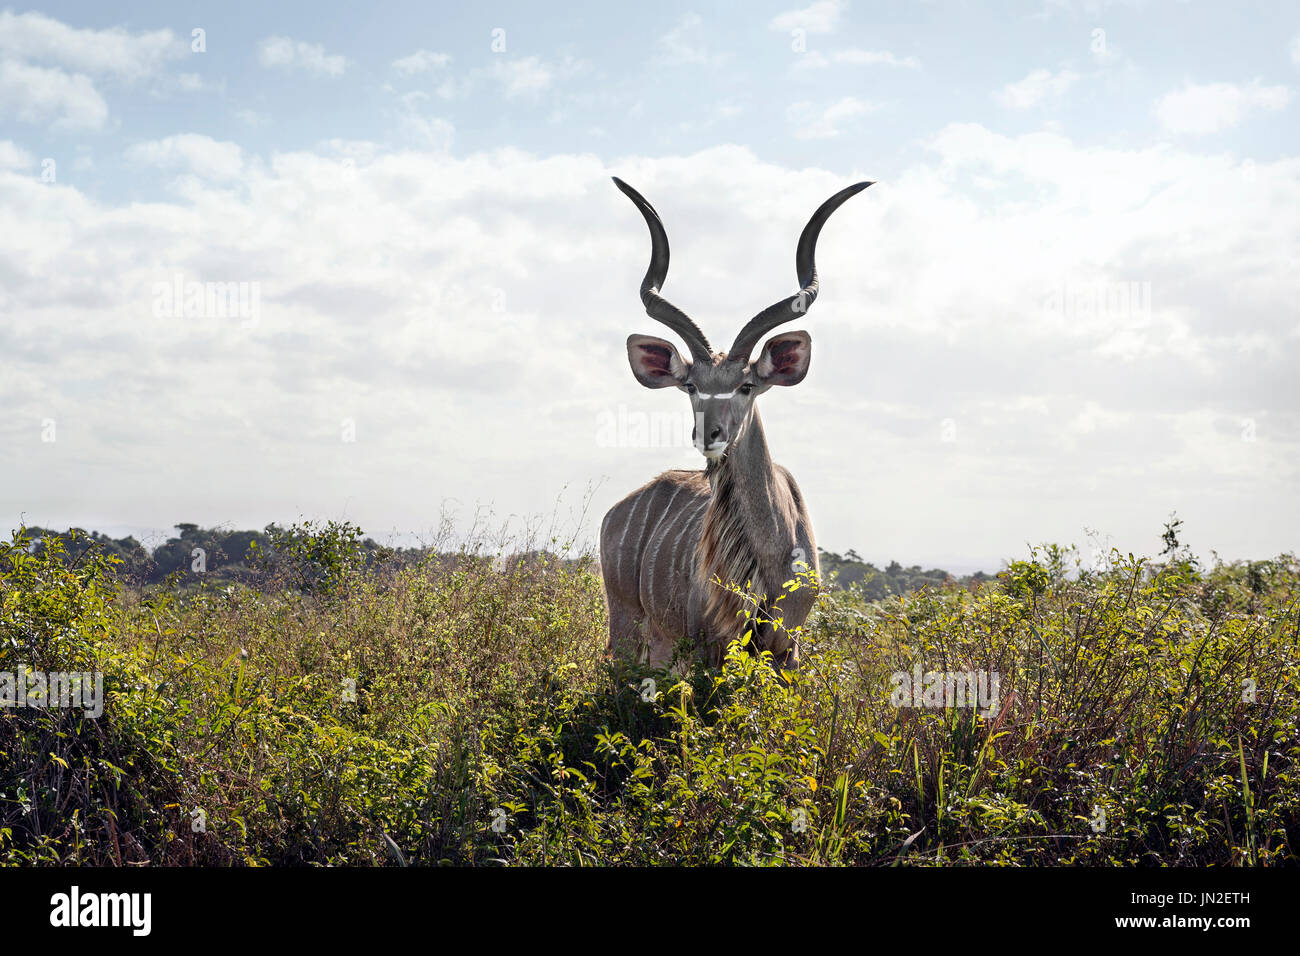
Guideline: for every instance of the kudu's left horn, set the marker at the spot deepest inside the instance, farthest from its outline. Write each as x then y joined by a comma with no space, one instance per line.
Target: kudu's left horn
806,267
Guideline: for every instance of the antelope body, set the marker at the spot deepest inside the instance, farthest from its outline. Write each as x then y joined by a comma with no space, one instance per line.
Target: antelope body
670,550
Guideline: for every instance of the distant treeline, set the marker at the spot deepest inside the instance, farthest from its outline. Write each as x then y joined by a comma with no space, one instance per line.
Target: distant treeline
218,554
849,569
244,556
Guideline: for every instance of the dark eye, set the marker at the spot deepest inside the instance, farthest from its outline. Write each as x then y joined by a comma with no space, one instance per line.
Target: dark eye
746,388
690,389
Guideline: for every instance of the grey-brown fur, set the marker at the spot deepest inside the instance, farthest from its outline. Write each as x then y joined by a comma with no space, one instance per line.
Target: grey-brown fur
666,545
674,552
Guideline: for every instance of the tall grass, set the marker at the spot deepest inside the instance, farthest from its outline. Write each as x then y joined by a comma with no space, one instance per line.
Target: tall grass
461,710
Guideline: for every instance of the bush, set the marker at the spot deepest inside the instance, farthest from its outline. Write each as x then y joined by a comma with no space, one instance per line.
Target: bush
461,710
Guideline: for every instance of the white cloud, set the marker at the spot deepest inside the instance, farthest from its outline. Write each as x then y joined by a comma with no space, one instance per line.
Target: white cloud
39,95
874,57
809,123
687,42
451,88
1211,107
430,132
855,57
527,77
14,157
523,77
198,83
1094,416
421,61
278,51
201,155
1037,87
393,289
253,118
821,17
49,70
112,52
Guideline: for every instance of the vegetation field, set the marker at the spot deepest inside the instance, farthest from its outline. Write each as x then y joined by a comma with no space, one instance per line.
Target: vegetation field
336,703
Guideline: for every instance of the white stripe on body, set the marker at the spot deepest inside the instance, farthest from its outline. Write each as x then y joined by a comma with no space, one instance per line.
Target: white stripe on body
654,553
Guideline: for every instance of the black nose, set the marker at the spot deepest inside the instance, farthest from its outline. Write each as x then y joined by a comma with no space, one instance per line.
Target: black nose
716,433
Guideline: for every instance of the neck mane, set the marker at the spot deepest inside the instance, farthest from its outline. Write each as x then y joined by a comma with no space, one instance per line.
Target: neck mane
749,530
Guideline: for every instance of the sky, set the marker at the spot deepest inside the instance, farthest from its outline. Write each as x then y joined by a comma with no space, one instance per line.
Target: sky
319,261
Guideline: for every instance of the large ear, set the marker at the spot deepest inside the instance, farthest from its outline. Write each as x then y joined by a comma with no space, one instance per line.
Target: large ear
785,359
655,362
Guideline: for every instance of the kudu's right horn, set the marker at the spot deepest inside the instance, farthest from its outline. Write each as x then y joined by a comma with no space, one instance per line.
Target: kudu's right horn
656,306
806,268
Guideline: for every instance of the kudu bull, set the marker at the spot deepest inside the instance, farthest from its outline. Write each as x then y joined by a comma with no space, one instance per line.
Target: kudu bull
675,553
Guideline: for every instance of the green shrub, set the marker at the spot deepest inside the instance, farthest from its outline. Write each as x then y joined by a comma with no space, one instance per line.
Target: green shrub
460,710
